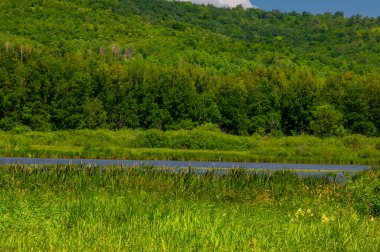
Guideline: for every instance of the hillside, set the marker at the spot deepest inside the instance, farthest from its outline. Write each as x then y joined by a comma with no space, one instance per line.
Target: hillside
115,64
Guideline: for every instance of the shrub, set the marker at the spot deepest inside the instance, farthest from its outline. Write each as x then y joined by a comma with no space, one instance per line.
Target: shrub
365,190
365,128
19,129
151,139
377,146
8,123
327,122
208,140
189,140
352,142
209,127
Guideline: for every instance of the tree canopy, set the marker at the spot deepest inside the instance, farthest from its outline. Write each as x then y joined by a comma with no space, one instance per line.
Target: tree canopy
72,64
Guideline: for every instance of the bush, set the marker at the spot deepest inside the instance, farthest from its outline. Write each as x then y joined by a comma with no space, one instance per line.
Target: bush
196,139
365,190
327,122
19,129
209,127
377,146
352,142
8,123
190,140
151,139
208,140
364,128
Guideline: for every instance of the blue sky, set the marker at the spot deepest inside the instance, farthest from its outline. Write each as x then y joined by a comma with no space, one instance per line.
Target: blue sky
349,7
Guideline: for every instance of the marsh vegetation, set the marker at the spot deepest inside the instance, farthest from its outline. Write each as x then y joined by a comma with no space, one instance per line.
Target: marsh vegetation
143,208
204,143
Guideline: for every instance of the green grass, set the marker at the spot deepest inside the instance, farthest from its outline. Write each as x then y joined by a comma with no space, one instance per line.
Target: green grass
141,208
202,144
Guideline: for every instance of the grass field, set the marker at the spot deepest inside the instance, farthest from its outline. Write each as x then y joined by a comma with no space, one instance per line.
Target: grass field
142,209
201,144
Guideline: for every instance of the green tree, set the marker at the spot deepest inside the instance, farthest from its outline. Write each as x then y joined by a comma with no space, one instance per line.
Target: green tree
327,121
297,102
94,115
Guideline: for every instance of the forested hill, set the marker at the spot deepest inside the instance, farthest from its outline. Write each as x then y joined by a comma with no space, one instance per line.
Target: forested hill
74,64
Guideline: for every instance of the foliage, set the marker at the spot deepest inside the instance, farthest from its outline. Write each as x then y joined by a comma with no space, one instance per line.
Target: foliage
204,143
151,139
377,146
353,141
168,65
327,122
365,189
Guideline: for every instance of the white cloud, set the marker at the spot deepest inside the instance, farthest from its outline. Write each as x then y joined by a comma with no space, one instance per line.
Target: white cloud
224,3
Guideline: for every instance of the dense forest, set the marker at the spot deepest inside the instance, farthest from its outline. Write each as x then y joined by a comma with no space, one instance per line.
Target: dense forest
74,64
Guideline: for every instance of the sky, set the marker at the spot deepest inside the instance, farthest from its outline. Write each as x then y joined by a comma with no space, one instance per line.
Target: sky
349,7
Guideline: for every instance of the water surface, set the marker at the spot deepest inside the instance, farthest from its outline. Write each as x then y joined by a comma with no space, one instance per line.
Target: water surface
186,164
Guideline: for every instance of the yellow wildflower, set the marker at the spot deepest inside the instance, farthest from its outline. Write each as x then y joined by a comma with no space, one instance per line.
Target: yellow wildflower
325,219
300,212
355,217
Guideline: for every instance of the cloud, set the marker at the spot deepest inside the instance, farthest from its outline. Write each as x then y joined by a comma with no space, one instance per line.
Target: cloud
224,3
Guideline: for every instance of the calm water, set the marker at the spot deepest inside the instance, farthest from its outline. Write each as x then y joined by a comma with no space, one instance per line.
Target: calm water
186,164
335,173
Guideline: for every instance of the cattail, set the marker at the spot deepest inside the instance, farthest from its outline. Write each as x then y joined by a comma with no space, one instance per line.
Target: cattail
115,50
21,52
128,53
7,44
101,50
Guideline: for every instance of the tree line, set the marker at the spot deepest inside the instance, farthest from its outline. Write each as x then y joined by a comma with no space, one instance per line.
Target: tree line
116,64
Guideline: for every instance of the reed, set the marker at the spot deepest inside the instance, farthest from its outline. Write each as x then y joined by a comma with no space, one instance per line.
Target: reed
65,207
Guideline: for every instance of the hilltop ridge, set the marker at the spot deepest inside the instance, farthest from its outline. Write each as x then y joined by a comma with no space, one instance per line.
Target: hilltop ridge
169,65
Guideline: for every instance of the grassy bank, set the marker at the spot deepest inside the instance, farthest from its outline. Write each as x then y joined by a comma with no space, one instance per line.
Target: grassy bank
203,144
76,208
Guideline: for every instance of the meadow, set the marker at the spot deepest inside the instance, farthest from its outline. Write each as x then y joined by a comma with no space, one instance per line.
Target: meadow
143,208
205,143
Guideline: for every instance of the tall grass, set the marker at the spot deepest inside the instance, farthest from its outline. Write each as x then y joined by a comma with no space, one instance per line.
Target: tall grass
144,208
198,144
